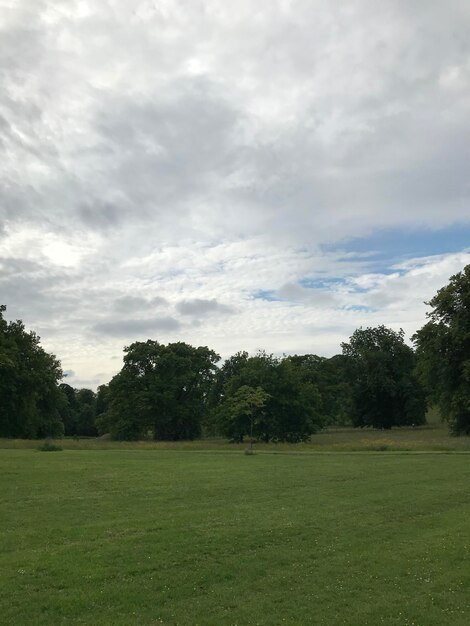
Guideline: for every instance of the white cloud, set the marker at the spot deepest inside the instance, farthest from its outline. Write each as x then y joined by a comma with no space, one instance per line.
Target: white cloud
153,154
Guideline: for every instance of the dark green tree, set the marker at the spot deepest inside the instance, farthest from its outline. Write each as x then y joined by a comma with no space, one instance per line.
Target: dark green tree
86,412
243,412
230,368
30,399
443,351
385,389
161,391
102,407
331,377
69,410
78,412
102,399
291,411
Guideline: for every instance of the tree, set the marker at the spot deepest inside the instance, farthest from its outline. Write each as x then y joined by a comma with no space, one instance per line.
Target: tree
385,389
69,410
230,368
86,412
443,352
78,411
290,413
330,376
161,391
242,413
102,407
30,399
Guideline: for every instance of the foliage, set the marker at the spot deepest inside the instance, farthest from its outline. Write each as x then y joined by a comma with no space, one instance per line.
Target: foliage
290,412
161,390
102,423
243,412
30,399
443,351
213,421
330,376
78,411
86,401
386,392
69,409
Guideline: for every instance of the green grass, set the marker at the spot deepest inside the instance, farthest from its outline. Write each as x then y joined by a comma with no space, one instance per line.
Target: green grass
434,437
141,537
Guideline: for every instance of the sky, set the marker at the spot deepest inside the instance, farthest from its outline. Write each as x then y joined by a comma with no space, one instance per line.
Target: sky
243,175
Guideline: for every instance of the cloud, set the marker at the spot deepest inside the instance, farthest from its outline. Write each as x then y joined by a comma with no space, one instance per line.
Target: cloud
166,166
316,297
133,327
202,307
135,304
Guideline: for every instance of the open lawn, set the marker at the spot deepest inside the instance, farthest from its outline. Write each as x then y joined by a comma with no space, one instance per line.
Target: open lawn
142,537
433,437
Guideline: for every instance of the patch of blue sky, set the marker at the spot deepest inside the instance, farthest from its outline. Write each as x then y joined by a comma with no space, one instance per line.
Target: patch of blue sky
384,248
266,294
359,307
321,283
327,283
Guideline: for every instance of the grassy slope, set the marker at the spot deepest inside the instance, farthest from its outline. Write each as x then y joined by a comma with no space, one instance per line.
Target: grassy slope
128,537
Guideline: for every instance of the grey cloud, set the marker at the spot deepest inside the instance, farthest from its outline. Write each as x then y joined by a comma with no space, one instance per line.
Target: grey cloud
274,132
164,152
129,304
99,215
368,108
145,160
133,327
31,289
200,306
316,297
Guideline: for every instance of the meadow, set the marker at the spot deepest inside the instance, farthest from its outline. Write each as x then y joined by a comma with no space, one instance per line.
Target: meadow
432,437
215,537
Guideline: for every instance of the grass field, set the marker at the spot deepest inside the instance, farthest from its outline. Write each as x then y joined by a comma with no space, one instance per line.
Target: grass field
433,437
211,537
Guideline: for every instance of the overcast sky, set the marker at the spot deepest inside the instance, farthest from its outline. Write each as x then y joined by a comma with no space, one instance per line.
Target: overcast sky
238,174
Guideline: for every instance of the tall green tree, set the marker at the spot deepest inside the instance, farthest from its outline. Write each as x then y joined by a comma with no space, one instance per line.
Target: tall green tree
331,377
443,351
230,368
385,389
86,412
243,412
30,399
162,391
291,411
102,407
79,411
69,409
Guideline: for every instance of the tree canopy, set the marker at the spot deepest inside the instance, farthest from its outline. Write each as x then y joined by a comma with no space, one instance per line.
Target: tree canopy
385,389
79,411
290,410
30,399
161,391
443,351
331,378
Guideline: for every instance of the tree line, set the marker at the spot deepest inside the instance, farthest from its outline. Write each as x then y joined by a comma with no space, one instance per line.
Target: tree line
178,391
